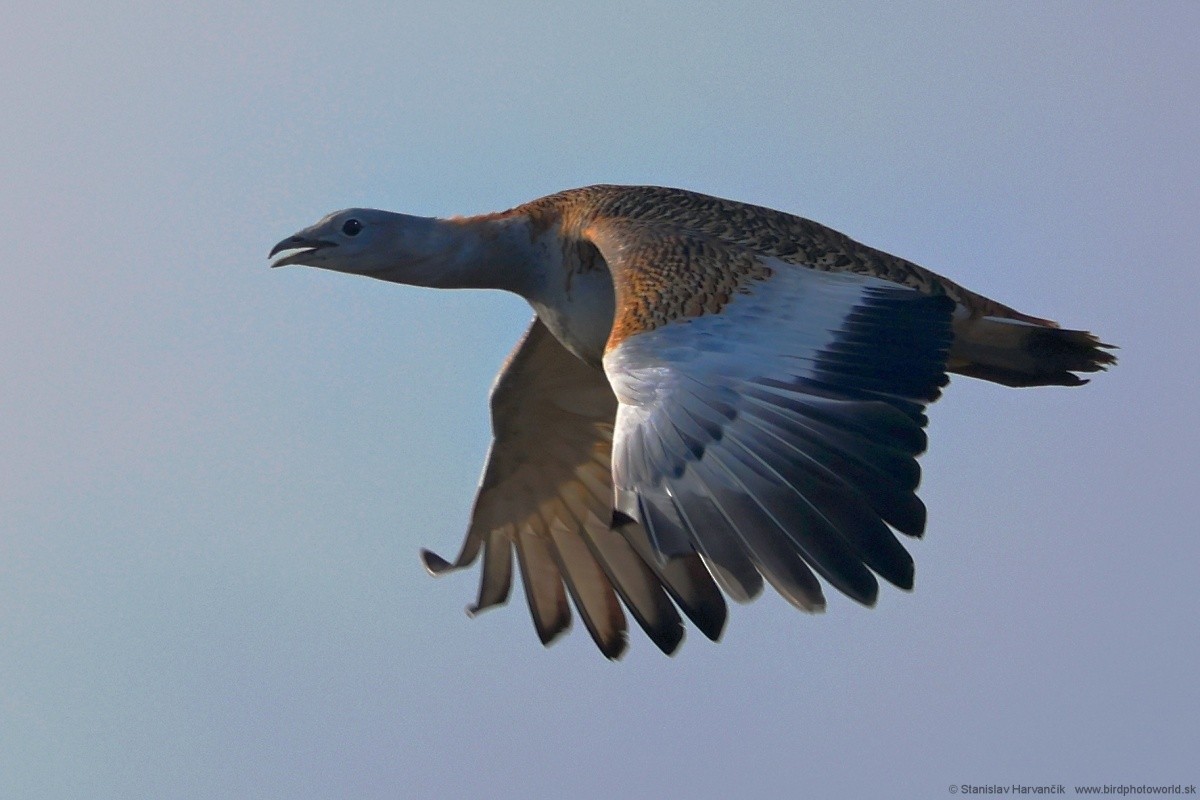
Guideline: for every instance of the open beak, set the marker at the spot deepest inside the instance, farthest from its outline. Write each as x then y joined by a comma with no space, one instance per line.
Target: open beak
304,248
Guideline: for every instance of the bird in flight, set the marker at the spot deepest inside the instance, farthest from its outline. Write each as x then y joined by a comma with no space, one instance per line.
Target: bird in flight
711,395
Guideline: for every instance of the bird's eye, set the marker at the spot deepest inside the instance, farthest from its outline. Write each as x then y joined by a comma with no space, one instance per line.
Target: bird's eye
351,227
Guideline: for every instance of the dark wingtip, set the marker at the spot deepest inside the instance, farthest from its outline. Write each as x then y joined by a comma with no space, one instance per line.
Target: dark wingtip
434,564
669,645
710,618
862,588
620,519
667,635
614,648
547,636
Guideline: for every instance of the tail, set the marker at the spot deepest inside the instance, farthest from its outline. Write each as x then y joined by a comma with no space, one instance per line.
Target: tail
1024,351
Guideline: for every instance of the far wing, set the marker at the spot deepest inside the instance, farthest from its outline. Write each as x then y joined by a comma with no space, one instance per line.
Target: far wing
547,491
770,415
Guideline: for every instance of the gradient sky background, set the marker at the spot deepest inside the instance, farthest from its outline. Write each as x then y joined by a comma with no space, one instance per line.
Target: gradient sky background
215,477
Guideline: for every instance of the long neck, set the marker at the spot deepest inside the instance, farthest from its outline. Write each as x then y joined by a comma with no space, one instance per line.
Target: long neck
487,252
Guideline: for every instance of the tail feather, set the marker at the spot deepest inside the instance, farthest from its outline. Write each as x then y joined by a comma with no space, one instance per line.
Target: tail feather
1026,352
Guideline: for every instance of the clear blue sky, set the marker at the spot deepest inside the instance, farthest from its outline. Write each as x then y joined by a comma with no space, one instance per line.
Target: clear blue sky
215,477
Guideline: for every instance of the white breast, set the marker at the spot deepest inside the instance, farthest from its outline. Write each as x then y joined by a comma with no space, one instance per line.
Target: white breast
577,304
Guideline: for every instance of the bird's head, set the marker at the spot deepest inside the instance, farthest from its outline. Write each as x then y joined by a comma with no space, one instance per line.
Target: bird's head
365,241
459,253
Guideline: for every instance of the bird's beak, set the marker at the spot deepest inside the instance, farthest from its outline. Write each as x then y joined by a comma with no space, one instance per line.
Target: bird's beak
303,246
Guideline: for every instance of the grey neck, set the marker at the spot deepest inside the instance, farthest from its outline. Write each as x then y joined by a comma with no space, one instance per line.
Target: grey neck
468,253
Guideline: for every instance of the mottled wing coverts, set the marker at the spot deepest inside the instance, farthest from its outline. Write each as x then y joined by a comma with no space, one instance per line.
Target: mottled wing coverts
764,231
662,274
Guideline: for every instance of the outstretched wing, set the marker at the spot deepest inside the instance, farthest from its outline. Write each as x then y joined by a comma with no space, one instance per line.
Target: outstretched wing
547,492
770,415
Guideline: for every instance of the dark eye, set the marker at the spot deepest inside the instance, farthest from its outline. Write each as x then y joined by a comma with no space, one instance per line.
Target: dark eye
351,227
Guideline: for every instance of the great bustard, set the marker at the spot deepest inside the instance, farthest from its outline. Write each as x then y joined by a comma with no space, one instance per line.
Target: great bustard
710,394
